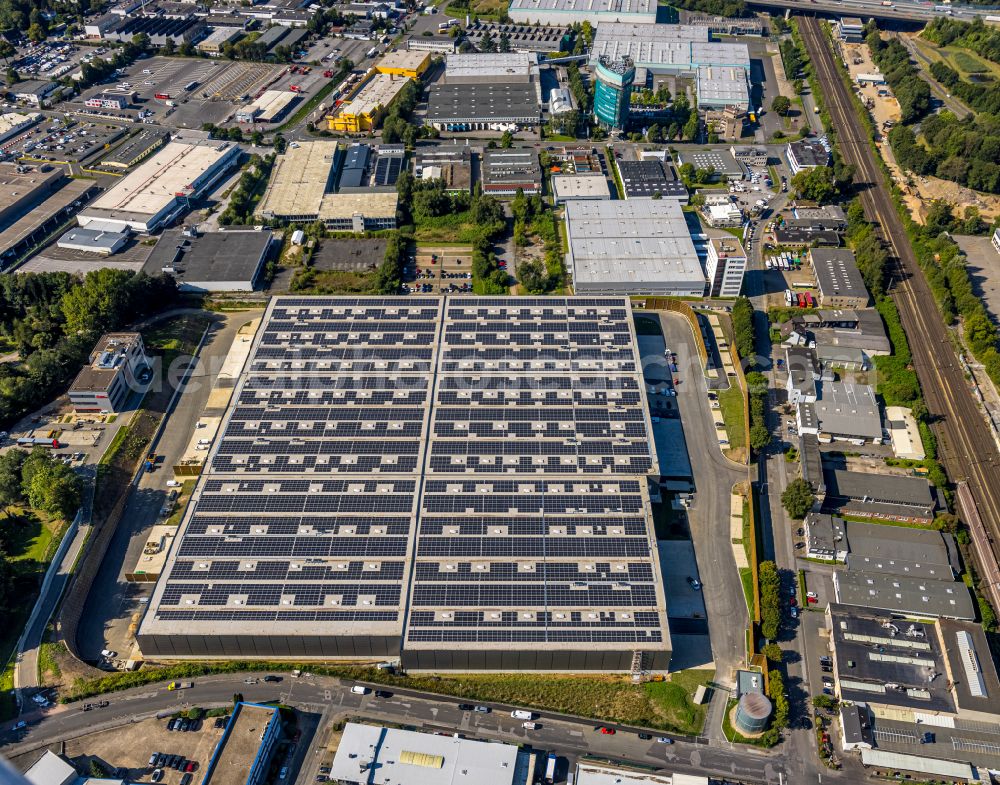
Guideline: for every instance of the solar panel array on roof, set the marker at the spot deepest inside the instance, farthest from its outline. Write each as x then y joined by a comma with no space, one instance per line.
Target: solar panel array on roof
470,468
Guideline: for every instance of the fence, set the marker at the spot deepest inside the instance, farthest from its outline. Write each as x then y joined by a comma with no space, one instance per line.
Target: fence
677,306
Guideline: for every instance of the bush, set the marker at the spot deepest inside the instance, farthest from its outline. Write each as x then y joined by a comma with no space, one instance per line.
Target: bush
742,316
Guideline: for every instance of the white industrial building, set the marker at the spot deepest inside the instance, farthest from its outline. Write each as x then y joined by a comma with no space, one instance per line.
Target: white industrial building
489,68
589,185
12,123
721,69
93,240
567,12
389,756
725,266
159,190
636,246
269,106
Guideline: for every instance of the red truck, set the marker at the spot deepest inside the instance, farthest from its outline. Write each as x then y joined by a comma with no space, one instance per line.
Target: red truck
162,96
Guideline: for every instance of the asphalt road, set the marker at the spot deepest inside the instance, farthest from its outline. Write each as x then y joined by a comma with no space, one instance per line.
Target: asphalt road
113,600
566,736
708,516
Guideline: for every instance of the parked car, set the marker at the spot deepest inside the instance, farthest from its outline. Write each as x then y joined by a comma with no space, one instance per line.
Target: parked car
607,731
482,709
664,740
157,775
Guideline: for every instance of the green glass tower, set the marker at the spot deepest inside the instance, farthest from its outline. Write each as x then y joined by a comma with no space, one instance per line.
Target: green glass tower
613,90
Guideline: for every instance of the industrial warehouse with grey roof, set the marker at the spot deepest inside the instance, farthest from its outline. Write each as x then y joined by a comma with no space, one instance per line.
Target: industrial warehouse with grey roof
461,481
634,246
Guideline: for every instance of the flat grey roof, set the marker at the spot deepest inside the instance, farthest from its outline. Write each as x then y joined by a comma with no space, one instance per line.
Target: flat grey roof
826,532
134,146
973,669
482,102
635,241
722,161
837,273
229,256
671,449
591,185
896,494
809,153
925,553
649,177
872,651
723,85
902,594
587,7
848,410
515,429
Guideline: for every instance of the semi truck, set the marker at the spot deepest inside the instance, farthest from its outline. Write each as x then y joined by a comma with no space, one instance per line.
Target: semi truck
550,768
38,441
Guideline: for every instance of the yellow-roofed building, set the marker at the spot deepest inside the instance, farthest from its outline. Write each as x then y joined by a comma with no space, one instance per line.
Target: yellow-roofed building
361,111
404,63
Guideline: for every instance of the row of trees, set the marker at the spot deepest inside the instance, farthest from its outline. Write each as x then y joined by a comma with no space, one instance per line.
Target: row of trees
53,320
869,250
770,600
912,92
243,199
964,151
396,125
743,338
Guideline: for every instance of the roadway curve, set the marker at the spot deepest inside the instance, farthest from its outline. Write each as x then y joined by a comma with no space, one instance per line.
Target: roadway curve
965,444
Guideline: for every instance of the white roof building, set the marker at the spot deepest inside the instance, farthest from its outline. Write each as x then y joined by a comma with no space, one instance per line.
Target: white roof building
904,433
592,185
562,12
388,756
636,246
158,190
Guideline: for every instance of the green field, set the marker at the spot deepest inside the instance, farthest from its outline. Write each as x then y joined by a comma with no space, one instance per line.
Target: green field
731,406
968,63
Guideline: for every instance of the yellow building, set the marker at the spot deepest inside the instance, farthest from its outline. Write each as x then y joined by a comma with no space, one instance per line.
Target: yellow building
404,63
362,110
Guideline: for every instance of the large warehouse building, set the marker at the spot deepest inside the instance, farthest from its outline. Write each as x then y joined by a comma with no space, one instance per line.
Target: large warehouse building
636,246
721,70
486,91
385,484
567,12
159,190
302,190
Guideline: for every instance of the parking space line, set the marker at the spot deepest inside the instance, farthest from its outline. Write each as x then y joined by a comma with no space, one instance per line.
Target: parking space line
974,745
896,736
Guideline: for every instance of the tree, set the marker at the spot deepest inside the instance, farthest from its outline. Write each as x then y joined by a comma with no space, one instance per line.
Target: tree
532,276
169,48
7,50
798,498
507,140
11,492
780,105
773,652
503,44
486,43
36,33
815,184
824,701
12,77
140,41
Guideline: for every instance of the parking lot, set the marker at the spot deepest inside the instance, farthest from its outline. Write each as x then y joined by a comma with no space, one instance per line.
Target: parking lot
203,91
49,60
59,142
131,747
439,270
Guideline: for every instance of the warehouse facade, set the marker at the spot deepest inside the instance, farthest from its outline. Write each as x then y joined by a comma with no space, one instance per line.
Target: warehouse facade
346,512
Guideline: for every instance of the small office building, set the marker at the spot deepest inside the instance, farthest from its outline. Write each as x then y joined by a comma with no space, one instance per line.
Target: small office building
807,154
826,538
506,171
590,185
111,374
851,29
838,278
725,266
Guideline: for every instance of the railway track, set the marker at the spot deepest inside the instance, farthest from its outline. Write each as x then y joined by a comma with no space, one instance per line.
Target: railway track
965,444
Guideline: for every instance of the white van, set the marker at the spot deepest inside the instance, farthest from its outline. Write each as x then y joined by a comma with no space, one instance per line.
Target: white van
520,714
357,689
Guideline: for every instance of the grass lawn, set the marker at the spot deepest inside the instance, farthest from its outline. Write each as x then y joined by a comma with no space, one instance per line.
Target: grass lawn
339,282
969,63
746,578
731,406
456,228
884,522
181,502
480,8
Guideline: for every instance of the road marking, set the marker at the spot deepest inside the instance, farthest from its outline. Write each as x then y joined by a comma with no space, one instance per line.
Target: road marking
327,695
